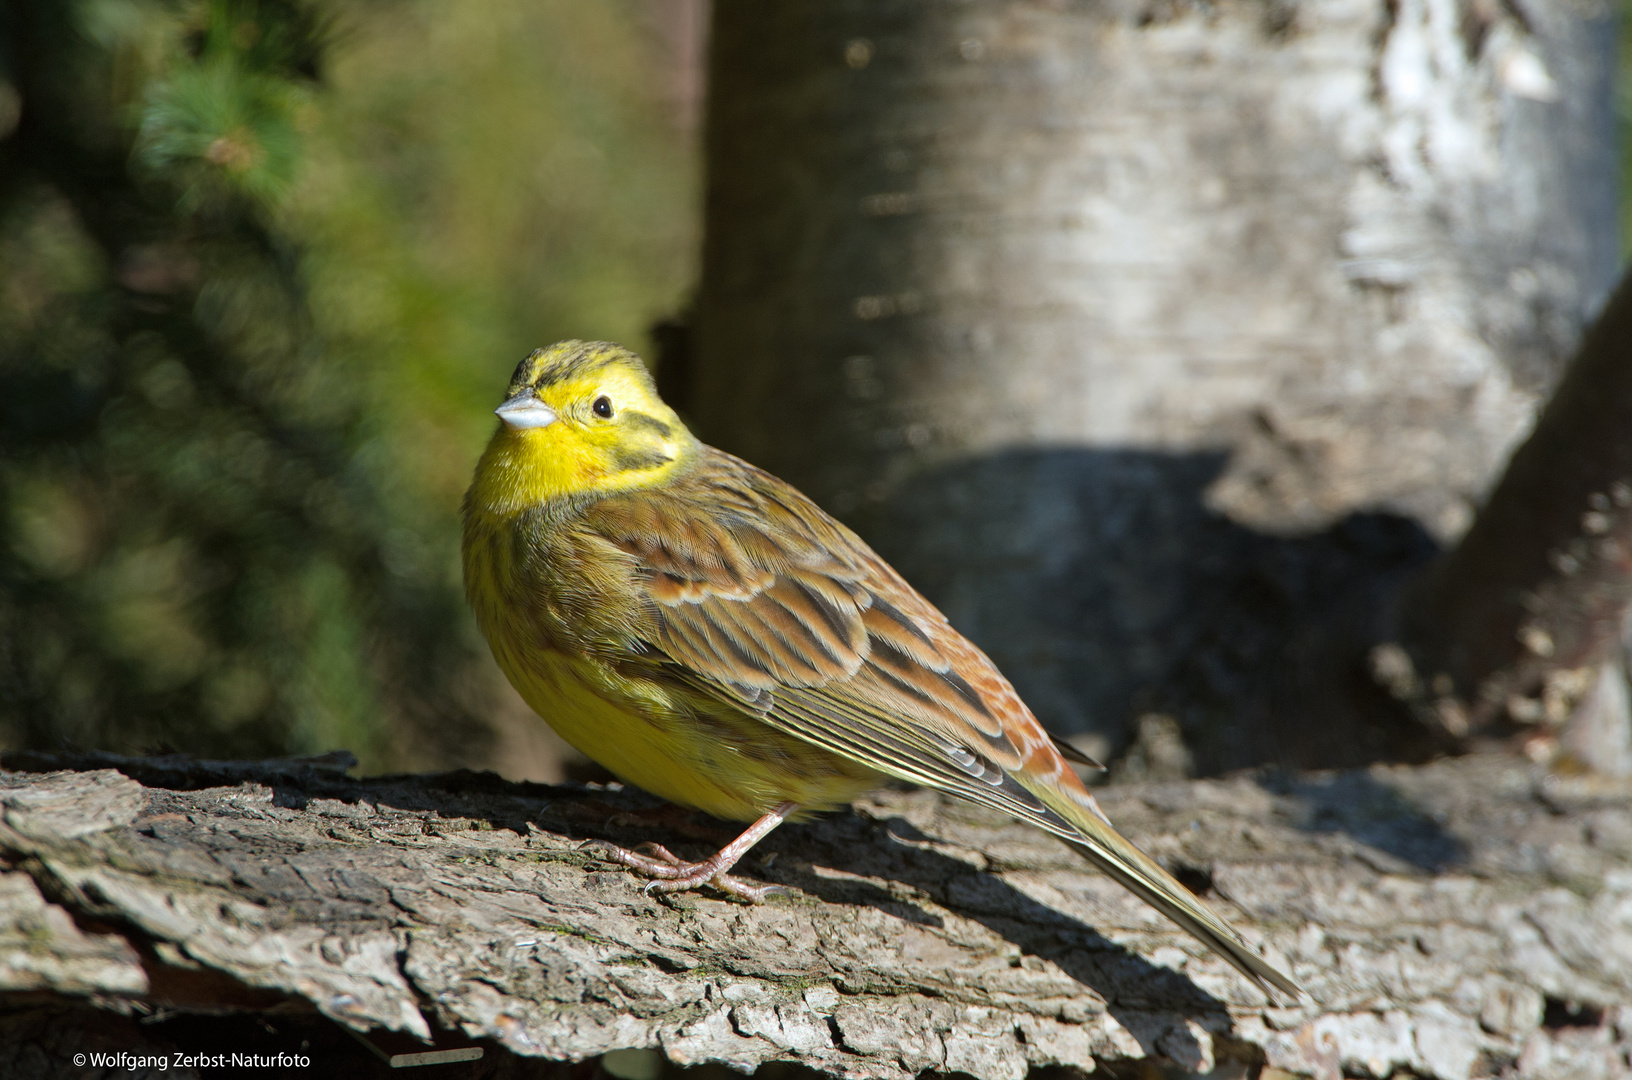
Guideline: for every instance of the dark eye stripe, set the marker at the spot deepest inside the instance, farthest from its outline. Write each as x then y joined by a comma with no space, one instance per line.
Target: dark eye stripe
651,423
628,461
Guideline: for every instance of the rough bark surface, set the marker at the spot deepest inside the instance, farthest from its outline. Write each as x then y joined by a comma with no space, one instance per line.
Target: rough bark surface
1081,311
1526,617
1467,918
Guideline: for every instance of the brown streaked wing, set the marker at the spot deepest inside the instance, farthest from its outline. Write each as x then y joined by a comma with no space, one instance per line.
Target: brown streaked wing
753,586
906,751
765,603
745,598
986,714
759,600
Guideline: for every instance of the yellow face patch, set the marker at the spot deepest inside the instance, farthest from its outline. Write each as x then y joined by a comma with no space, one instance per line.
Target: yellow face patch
611,433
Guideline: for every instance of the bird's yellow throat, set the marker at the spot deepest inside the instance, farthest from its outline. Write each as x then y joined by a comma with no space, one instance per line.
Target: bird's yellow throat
640,444
524,469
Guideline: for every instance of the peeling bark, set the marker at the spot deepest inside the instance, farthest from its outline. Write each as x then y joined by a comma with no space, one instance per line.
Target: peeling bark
1446,919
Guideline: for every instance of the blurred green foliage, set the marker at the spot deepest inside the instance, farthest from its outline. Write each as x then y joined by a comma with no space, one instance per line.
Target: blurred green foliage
264,268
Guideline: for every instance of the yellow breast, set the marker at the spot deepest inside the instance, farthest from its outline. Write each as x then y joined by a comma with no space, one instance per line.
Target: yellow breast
651,732
691,753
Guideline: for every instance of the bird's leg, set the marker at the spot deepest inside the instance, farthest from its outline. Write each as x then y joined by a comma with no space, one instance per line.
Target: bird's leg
674,875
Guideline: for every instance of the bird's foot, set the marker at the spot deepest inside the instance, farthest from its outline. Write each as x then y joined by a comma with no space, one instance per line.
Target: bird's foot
673,874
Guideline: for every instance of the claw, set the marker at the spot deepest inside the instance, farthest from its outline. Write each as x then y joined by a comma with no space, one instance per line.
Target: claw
671,874
661,852
726,883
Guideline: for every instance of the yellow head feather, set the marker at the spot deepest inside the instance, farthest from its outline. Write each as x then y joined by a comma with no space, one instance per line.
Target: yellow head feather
610,431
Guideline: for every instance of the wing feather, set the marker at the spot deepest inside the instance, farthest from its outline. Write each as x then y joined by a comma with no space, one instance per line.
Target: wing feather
710,646
751,586
761,601
755,598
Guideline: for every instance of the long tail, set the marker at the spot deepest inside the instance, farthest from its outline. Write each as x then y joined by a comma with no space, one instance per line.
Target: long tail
1139,873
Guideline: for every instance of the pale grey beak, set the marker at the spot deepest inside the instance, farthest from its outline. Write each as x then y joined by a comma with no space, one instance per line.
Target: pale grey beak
526,411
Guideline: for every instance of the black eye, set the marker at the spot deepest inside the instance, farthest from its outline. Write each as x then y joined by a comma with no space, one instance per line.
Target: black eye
602,407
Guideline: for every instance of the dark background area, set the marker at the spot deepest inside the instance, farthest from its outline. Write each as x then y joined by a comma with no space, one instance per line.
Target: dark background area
263,269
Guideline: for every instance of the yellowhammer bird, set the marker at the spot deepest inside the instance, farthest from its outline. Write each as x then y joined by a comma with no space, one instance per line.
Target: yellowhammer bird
707,633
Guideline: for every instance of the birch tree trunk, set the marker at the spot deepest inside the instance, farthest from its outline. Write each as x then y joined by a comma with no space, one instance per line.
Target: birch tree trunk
1144,336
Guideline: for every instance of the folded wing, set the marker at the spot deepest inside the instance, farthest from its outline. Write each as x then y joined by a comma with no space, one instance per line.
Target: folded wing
757,598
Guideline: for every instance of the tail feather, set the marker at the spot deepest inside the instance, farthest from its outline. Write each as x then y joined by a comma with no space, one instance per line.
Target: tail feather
1141,875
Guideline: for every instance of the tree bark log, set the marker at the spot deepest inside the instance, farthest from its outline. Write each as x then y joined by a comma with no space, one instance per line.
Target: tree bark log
1527,615
1468,918
1134,334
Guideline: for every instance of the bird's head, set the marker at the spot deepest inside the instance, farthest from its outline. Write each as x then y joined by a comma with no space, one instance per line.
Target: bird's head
580,418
